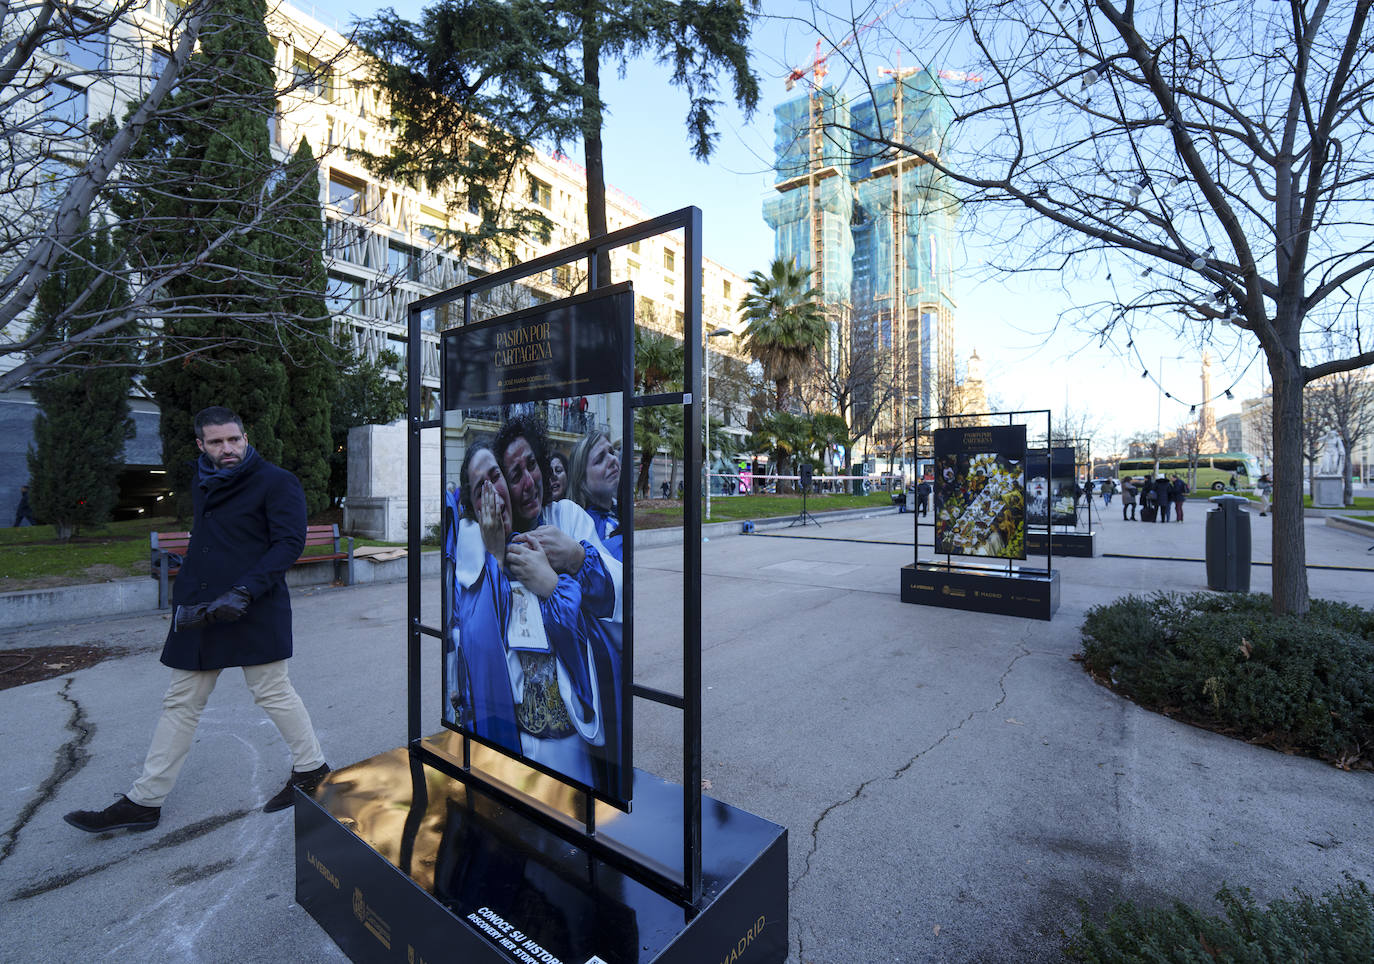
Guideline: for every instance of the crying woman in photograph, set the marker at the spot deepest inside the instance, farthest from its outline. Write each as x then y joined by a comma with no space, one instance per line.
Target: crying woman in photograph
522,643
594,483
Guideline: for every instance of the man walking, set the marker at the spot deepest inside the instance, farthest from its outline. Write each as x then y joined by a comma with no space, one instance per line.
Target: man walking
923,497
231,608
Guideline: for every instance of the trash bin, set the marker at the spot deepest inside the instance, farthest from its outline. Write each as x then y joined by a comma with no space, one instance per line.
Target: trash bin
857,483
1228,544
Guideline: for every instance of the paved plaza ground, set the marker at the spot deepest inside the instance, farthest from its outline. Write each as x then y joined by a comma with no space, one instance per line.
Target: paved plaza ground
952,783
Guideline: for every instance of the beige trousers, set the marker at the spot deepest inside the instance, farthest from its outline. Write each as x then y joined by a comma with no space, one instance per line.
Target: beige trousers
181,709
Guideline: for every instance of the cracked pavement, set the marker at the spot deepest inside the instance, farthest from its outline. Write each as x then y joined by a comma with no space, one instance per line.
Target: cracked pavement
952,783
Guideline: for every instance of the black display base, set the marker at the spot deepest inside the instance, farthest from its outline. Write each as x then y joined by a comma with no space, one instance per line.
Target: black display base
1080,545
399,862
1030,595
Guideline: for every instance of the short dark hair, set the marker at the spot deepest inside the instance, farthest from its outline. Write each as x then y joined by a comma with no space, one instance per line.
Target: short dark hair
531,429
215,415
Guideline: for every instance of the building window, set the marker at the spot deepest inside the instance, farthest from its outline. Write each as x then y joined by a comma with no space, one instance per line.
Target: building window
541,193
403,261
725,289
335,238
87,50
343,295
64,109
274,131
54,177
307,74
669,259
634,247
345,193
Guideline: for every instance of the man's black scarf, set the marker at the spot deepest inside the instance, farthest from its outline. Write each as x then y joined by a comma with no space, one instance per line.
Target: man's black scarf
212,478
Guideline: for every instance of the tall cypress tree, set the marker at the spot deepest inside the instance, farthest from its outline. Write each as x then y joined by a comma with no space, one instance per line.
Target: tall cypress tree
310,356
215,167
83,414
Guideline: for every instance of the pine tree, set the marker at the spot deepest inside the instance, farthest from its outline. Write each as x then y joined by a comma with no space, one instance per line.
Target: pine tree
83,418
216,167
311,359
511,73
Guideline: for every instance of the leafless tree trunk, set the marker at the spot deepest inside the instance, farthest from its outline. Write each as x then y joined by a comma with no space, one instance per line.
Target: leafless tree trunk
1218,152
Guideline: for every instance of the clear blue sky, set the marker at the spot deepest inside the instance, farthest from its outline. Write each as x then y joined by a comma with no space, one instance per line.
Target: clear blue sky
1029,362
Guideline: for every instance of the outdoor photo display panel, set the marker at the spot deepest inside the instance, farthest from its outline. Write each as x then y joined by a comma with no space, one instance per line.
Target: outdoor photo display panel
537,620
1049,486
980,494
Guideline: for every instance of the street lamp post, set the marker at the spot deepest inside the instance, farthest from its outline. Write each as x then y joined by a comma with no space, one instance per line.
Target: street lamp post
1159,406
706,462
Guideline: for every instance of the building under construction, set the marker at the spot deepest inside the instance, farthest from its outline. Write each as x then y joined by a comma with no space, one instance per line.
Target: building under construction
876,229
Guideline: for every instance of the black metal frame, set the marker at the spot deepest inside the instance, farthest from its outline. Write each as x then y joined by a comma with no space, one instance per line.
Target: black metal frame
688,220
624,495
1082,445
949,563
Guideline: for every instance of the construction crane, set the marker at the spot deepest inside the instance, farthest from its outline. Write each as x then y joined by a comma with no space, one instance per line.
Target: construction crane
817,67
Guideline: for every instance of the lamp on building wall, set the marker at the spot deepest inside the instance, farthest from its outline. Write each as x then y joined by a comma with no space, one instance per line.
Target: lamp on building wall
706,466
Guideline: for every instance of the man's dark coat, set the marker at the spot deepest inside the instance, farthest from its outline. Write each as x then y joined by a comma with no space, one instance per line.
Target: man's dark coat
247,532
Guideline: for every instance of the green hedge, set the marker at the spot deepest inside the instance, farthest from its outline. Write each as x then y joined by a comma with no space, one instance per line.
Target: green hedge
1338,928
1225,661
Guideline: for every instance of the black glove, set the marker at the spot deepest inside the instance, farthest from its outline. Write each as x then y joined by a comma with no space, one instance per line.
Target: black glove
229,607
189,617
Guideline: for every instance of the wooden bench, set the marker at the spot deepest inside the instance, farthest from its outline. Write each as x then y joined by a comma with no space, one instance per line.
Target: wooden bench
166,545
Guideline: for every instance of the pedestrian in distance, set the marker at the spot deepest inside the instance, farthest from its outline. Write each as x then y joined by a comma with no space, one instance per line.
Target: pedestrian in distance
923,497
1108,490
22,511
1178,492
1232,484
1163,499
1264,489
231,608
1127,500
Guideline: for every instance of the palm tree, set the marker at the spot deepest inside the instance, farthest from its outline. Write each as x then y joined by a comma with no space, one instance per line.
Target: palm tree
782,435
658,368
786,324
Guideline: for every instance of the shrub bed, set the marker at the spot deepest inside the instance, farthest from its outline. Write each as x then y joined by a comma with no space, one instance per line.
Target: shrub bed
1338,927
1226,662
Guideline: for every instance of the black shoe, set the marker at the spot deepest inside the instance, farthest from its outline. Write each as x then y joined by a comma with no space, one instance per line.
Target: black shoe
286,796
123,814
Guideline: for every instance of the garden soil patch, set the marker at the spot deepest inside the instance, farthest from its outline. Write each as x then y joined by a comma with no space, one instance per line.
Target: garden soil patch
20,666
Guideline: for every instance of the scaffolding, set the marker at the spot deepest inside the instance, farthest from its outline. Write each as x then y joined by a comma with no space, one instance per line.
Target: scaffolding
875,225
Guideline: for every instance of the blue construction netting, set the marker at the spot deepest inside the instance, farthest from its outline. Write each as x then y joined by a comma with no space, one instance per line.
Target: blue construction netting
854,203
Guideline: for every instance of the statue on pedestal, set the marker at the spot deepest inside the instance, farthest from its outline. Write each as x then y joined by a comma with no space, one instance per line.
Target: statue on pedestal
1333,454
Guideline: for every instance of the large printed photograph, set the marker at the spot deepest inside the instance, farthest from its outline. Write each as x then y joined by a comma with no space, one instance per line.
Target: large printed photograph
1050,487
980,495
536,635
